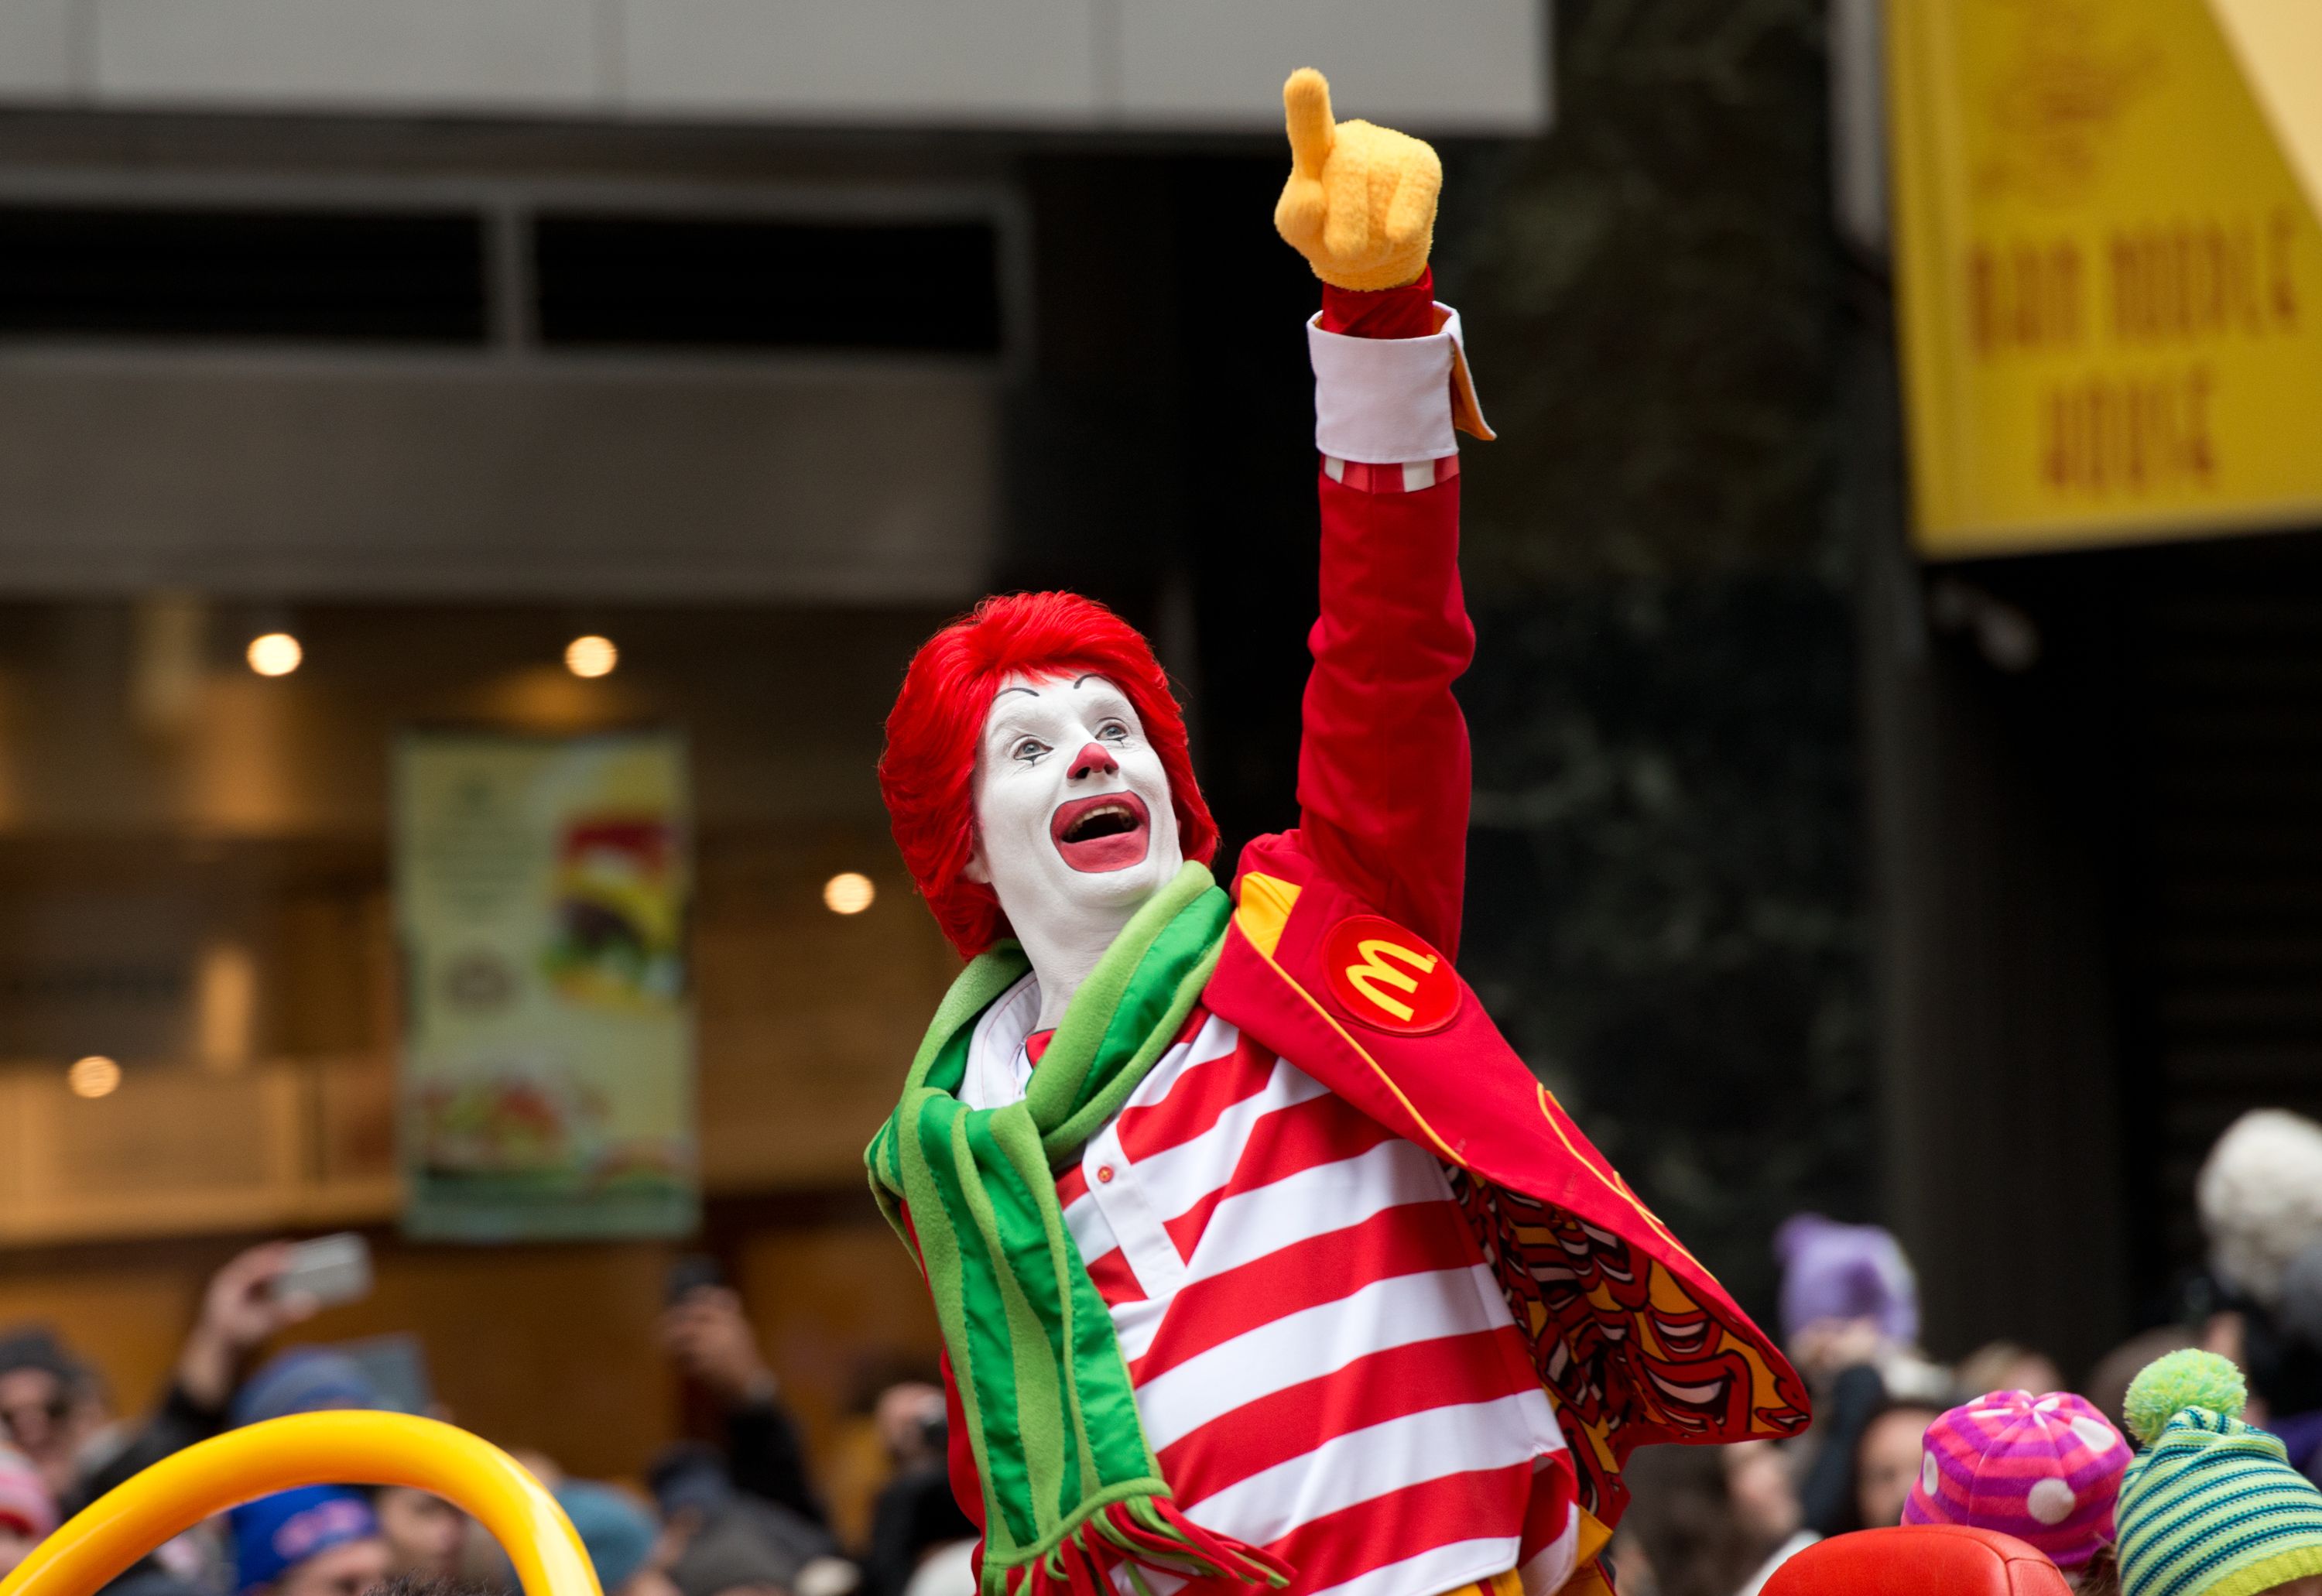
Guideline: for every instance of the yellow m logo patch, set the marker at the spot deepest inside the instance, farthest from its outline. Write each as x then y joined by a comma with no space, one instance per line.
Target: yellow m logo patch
1385,977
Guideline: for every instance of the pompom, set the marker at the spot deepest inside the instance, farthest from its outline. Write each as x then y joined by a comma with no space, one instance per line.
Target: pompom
2179,1380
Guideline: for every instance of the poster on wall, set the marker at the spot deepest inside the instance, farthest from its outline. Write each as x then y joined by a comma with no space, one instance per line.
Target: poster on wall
541,890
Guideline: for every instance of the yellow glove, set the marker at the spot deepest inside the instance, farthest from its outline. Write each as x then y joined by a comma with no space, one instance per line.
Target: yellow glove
1360,201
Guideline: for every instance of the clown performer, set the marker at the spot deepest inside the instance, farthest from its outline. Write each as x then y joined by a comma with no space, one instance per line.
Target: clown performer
1260,1259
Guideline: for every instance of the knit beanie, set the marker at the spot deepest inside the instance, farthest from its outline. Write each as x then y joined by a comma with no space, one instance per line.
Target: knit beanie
2211,1506
303,1379
616,1533
1832,1271
2260,1193
2046,1469
25,1505
277,1533
36,1346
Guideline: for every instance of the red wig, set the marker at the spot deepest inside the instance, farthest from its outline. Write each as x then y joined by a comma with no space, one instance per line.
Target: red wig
928,774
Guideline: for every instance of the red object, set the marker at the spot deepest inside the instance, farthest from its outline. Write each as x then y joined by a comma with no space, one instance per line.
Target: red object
1383,976
646,836
1408,312
927,772
1632,1337
1414,478
1635,1339
1382,772
1919,1560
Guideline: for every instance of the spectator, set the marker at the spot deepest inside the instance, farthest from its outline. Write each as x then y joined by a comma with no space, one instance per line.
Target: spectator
51,1405
303,1379
623,1544
2211,1506
427,1537
1763,1495
2260,1193
2046,1469
2282,1356
706,1334
915,1514
28,1512
1849,1310
2004,1365
320,1540
732,1555
1851,1396
239,1312
721,1527
2107,1386
1834,1275
1886,1461
1681,1536
1848,1297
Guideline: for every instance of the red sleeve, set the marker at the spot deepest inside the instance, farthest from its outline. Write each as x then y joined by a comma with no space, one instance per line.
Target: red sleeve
1383,766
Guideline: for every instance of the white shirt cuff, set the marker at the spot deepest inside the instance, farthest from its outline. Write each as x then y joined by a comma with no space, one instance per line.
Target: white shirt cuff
1384,400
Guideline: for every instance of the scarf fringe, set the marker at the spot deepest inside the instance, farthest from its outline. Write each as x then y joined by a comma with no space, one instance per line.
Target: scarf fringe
1142,1533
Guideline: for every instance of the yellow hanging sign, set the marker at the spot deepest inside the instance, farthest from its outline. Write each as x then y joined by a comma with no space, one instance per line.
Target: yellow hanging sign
2110,272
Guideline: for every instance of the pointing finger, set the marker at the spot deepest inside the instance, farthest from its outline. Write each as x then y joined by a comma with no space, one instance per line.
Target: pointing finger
1306,110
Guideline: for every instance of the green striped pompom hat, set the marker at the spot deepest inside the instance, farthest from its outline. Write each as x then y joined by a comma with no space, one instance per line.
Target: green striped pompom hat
2211,1506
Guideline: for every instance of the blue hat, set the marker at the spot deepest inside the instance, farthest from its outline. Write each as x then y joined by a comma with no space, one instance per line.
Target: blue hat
304,1380
618,1533
278,1532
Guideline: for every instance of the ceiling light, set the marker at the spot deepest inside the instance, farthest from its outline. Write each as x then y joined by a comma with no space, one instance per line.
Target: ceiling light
592,656
94,1076
274,653
849,892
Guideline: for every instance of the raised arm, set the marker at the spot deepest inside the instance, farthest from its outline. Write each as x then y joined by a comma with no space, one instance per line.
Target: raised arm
1383,768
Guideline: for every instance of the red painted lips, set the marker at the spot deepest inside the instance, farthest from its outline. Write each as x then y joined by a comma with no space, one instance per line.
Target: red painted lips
1110,831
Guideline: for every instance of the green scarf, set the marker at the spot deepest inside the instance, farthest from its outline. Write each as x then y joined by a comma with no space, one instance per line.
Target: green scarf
1070,1484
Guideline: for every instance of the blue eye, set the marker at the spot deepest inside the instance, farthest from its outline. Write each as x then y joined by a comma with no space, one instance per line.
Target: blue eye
1113,731
1030,748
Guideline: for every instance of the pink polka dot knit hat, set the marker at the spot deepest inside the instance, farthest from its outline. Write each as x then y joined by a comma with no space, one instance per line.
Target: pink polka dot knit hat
2046,1469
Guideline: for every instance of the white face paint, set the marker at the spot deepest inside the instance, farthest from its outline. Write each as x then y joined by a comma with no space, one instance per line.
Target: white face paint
1074,825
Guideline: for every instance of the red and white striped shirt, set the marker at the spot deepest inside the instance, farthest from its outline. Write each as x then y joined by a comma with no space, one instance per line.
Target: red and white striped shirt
1322,1362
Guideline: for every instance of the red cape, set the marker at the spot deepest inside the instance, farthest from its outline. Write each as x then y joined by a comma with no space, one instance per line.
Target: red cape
1631,1337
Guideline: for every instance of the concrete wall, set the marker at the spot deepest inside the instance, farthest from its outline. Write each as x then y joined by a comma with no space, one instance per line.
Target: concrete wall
1478,65
339,478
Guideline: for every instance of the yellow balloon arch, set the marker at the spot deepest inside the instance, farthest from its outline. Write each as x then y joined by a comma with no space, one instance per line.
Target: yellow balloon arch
313,1449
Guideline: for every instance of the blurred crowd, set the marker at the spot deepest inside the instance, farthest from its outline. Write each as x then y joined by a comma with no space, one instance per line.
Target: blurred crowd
2118,1477
2183,1463
741,1516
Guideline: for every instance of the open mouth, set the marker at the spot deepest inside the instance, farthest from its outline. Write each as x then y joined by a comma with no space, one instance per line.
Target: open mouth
1107,832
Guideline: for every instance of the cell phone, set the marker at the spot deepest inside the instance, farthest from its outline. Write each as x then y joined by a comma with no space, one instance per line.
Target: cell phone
689,1274
329,1269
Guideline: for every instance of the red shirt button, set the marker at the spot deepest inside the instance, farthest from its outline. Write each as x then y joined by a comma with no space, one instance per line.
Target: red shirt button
1103,1174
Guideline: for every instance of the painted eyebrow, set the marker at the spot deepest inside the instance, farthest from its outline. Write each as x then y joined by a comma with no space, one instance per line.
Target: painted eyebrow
1003,692
1093,676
